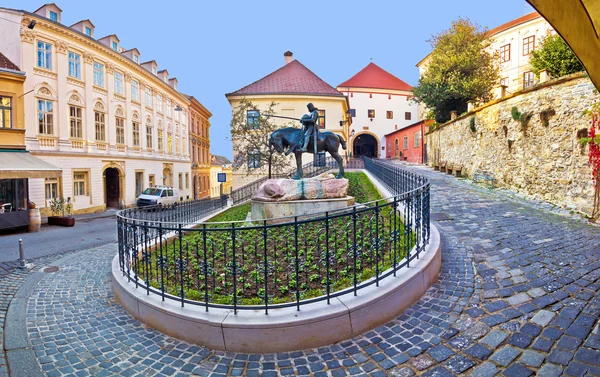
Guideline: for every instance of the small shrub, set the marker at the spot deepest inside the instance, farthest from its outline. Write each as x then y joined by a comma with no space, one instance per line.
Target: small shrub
523,118
472,124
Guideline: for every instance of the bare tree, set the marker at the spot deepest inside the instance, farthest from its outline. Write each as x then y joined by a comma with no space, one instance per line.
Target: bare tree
250,130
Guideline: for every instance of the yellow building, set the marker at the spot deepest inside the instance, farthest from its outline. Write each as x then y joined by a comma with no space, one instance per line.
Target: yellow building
113,123
218,165
291,87
200,149
514,41
17,166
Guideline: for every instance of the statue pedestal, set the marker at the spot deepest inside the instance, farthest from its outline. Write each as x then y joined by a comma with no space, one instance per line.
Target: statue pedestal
277,198
275,211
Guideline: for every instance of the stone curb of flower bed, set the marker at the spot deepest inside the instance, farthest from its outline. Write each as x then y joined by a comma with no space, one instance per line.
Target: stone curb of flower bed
284,329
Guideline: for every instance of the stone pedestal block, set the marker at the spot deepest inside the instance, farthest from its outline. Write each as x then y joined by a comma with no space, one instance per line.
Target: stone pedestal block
279,212
324,186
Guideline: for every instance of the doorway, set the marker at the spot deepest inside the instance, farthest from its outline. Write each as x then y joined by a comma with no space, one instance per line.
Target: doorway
167,177
112,190
365,145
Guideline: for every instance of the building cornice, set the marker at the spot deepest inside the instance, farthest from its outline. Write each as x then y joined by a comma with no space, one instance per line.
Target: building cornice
65,31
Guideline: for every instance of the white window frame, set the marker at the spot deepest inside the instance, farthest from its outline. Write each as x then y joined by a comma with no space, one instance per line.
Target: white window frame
119,83
74,65
148,92
159,106
44,55
51,189
75,122
99,74
135,90
168,107
120,130
80,184
136,133
45,117
160,139
149,135
100,125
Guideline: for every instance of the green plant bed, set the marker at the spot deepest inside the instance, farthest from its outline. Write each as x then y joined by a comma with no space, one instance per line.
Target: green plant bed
202,261
361,188
235,213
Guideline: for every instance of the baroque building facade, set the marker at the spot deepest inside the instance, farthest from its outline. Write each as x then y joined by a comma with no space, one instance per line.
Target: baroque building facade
200,149
114,124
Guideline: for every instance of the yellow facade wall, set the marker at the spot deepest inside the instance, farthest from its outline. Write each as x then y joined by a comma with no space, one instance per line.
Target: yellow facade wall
293,106
11,85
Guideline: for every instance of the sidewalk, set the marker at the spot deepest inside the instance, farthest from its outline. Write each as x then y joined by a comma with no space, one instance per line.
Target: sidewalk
90,216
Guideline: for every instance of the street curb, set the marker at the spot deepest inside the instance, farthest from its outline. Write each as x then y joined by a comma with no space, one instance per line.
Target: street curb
20,358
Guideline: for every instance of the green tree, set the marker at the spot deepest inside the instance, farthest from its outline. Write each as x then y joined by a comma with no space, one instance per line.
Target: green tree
555,56
460,68
252,152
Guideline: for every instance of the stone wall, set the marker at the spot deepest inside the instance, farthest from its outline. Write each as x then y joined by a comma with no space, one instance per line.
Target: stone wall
543,160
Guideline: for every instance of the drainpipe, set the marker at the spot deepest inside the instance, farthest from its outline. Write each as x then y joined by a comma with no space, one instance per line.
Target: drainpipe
422,144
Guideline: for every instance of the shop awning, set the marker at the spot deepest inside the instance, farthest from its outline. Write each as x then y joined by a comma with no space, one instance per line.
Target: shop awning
21,164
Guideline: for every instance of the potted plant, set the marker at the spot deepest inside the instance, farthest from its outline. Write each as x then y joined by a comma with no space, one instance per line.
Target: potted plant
60,207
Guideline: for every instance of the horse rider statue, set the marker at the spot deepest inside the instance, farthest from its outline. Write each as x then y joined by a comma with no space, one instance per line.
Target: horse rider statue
309,121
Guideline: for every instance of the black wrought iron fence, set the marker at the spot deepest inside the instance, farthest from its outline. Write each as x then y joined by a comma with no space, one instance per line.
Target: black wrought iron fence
253,265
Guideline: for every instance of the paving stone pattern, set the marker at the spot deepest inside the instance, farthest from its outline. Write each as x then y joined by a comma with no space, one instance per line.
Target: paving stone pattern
11,279
517,296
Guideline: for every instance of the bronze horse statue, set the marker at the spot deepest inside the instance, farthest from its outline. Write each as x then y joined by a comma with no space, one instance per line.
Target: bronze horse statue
326,141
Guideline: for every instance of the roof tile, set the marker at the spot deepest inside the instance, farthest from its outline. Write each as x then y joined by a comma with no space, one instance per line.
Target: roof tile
375,77
292,78
7,64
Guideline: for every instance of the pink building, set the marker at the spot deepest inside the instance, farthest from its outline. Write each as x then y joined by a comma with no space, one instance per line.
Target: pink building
407,143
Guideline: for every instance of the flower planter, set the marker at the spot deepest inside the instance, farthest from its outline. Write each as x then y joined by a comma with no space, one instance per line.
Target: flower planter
61,220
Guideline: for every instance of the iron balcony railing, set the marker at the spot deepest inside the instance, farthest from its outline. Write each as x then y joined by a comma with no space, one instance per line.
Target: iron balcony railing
265,265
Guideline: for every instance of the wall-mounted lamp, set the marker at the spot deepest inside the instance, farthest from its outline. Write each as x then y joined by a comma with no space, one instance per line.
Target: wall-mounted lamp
177,108
32,24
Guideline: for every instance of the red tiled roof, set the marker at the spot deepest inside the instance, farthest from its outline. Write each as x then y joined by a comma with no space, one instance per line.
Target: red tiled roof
7,64
375,77
515,22
219,160
292,78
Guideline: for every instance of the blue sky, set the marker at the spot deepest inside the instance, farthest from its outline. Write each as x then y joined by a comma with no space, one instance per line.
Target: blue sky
217,47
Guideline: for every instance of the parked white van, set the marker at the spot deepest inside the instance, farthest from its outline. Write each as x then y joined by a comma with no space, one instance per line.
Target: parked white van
158,195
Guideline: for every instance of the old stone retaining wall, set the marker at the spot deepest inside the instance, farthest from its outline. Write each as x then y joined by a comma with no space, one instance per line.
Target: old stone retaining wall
543,160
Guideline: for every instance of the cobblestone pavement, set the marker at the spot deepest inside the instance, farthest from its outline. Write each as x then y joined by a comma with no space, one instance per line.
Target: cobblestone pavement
10,281
517,296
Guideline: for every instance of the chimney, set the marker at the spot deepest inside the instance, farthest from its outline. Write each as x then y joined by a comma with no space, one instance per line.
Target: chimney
288,57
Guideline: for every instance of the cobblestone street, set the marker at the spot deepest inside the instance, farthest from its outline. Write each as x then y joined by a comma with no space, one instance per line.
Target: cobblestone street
517,296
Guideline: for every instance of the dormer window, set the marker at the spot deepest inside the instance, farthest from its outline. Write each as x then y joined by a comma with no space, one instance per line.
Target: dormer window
54,16
154,70
88,31
165,79
175,86
114,46
136,59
